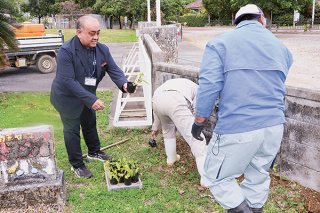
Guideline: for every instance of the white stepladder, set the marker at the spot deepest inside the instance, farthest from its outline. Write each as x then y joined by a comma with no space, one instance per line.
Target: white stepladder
135,110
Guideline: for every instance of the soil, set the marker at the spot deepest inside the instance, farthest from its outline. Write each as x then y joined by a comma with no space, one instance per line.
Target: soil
296,193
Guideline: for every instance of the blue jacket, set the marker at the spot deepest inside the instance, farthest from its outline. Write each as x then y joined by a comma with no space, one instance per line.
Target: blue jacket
246,68
69,94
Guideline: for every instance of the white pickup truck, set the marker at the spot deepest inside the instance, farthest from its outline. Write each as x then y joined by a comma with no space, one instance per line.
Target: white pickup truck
38,50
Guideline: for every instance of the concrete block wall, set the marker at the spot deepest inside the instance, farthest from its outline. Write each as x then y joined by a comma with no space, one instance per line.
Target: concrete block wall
300,149
299,155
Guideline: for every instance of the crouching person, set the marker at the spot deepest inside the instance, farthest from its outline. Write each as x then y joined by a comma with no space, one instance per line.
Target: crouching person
173,110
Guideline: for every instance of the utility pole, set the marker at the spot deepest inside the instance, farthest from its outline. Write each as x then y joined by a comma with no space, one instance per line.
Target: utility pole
313,9
148,6
158,13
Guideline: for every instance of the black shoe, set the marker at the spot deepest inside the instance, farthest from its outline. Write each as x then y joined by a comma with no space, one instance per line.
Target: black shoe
101,156
242,208
82,171
257,210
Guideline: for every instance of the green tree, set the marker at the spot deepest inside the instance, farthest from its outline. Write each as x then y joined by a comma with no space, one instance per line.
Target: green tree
226,9
134,9
85,3
171,9
111,8
274,6
219,9
73,10
38,8
7,36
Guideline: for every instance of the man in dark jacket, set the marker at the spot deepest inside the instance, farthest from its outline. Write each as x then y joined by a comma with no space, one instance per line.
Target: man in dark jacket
82,63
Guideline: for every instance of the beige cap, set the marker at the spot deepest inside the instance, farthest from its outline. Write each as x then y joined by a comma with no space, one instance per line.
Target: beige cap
248,9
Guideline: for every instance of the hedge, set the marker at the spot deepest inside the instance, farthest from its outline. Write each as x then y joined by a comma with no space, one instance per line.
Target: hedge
192,20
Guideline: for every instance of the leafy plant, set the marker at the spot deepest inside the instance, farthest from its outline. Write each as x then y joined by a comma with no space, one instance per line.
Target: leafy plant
121,168
128,171
139,79
113,175
134,167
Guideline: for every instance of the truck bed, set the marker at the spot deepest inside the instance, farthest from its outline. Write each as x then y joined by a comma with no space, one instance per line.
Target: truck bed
30,44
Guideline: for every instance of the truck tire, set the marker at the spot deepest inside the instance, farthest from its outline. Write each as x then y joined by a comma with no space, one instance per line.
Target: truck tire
46,64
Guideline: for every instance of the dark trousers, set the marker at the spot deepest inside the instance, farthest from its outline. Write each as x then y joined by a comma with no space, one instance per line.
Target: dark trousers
71,131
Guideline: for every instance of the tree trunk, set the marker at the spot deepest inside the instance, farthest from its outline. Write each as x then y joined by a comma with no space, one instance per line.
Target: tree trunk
39,19
132,22
119,17
111,22
54,21
107,21
70,19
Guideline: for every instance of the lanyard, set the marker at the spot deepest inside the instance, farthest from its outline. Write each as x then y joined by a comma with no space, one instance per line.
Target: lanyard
94,63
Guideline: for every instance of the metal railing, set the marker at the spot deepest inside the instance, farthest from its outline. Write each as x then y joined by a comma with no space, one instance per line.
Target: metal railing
302,25
135,110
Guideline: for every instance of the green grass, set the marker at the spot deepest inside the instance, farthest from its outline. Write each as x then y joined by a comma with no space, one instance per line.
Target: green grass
164,189
106,35
161,186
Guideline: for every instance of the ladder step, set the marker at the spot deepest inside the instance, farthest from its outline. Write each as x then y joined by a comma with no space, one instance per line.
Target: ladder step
133,99
133,110
133,114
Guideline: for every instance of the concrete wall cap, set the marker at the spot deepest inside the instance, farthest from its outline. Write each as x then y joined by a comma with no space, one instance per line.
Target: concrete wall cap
304,93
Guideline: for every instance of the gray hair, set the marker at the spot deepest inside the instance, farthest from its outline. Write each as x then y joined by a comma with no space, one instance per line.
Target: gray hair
81,20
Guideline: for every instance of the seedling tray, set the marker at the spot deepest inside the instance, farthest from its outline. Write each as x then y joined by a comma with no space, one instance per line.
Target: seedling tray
121,185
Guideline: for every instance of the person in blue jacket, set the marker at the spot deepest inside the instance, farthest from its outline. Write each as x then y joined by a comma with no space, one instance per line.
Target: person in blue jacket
82,64
246,69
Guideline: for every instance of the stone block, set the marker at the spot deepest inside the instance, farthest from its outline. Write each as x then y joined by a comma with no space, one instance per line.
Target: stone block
303,110
303,133
26,155
301,154
166,39
143,24
153,50
28,172
48,193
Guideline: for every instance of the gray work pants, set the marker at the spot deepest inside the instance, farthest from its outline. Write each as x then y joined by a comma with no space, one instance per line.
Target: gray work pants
249,153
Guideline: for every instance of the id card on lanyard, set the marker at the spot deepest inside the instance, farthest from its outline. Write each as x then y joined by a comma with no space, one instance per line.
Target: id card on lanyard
92,81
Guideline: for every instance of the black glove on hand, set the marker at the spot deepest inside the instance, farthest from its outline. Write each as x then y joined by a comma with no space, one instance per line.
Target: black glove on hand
196,130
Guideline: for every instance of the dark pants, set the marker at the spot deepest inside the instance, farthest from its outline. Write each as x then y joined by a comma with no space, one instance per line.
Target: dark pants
71,131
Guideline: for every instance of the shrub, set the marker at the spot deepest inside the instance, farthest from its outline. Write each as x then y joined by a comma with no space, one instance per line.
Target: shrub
194,20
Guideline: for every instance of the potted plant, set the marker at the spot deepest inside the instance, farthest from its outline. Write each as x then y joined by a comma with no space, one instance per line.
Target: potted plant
128,175
131,86
112,169
113,176
135,171
120,168
122,171
135,177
